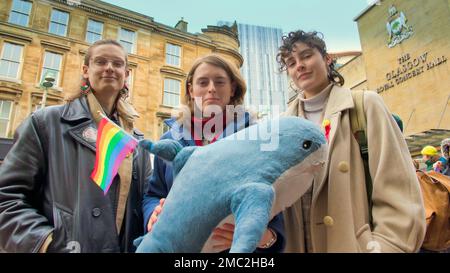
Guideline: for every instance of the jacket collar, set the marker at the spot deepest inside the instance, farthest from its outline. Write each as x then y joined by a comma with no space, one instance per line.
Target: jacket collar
340,99
294,109
83,128
76,111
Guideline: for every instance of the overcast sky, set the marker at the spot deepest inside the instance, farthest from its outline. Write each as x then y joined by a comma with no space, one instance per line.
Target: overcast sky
334,18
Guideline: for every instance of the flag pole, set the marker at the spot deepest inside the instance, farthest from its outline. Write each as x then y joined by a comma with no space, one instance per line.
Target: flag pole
104,116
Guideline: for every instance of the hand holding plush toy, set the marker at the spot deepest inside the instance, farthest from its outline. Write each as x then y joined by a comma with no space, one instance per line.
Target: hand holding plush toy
233,178
155,214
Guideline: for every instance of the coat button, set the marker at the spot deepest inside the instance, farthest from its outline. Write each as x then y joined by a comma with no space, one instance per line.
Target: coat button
328,221
96,212
343,166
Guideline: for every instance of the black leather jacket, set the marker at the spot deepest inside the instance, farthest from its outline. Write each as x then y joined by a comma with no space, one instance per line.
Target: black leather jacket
45,187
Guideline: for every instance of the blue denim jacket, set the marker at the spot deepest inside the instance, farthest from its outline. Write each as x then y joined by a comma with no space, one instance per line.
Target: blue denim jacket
162,178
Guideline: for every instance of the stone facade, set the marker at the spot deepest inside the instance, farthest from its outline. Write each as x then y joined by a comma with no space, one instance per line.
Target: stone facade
148,64
354,73
412,75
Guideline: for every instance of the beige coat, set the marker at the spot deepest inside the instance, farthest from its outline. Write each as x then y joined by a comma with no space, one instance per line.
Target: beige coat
339,209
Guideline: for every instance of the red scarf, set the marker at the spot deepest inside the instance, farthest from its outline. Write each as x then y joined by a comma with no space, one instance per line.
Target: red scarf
199,140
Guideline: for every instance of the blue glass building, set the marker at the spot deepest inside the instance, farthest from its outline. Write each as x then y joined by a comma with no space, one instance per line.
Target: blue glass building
266,87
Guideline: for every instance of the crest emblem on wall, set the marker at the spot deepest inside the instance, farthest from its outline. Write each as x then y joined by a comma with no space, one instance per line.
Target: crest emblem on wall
397,28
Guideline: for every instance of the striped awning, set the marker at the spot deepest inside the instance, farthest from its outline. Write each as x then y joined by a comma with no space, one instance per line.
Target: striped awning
431,137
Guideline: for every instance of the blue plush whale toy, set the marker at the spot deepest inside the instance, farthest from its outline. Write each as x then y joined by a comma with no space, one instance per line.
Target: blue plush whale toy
234,177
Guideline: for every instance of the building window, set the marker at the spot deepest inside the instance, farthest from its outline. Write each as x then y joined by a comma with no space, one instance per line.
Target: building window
126,38
58,22
173,54
94,31
171,92
10,61
5,117
51,67
20,12
164,128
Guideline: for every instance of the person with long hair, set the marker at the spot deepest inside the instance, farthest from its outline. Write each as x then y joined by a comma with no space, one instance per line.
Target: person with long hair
213,87
48,202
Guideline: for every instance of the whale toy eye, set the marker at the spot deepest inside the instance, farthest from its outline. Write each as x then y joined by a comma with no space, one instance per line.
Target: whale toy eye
307,144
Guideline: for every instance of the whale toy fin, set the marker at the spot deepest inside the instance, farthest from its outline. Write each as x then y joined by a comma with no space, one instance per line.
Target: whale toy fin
167,149
251,204
181,159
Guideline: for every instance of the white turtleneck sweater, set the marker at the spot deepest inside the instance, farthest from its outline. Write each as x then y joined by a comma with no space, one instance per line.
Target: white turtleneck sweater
313,107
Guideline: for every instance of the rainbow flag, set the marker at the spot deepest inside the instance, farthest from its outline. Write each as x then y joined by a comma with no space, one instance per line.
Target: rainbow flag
113,144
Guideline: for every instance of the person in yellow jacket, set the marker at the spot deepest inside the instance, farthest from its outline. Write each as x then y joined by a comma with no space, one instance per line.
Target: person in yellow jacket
430,156
337,214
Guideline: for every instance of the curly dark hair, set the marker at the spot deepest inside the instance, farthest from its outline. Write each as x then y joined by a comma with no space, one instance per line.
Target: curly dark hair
313,39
